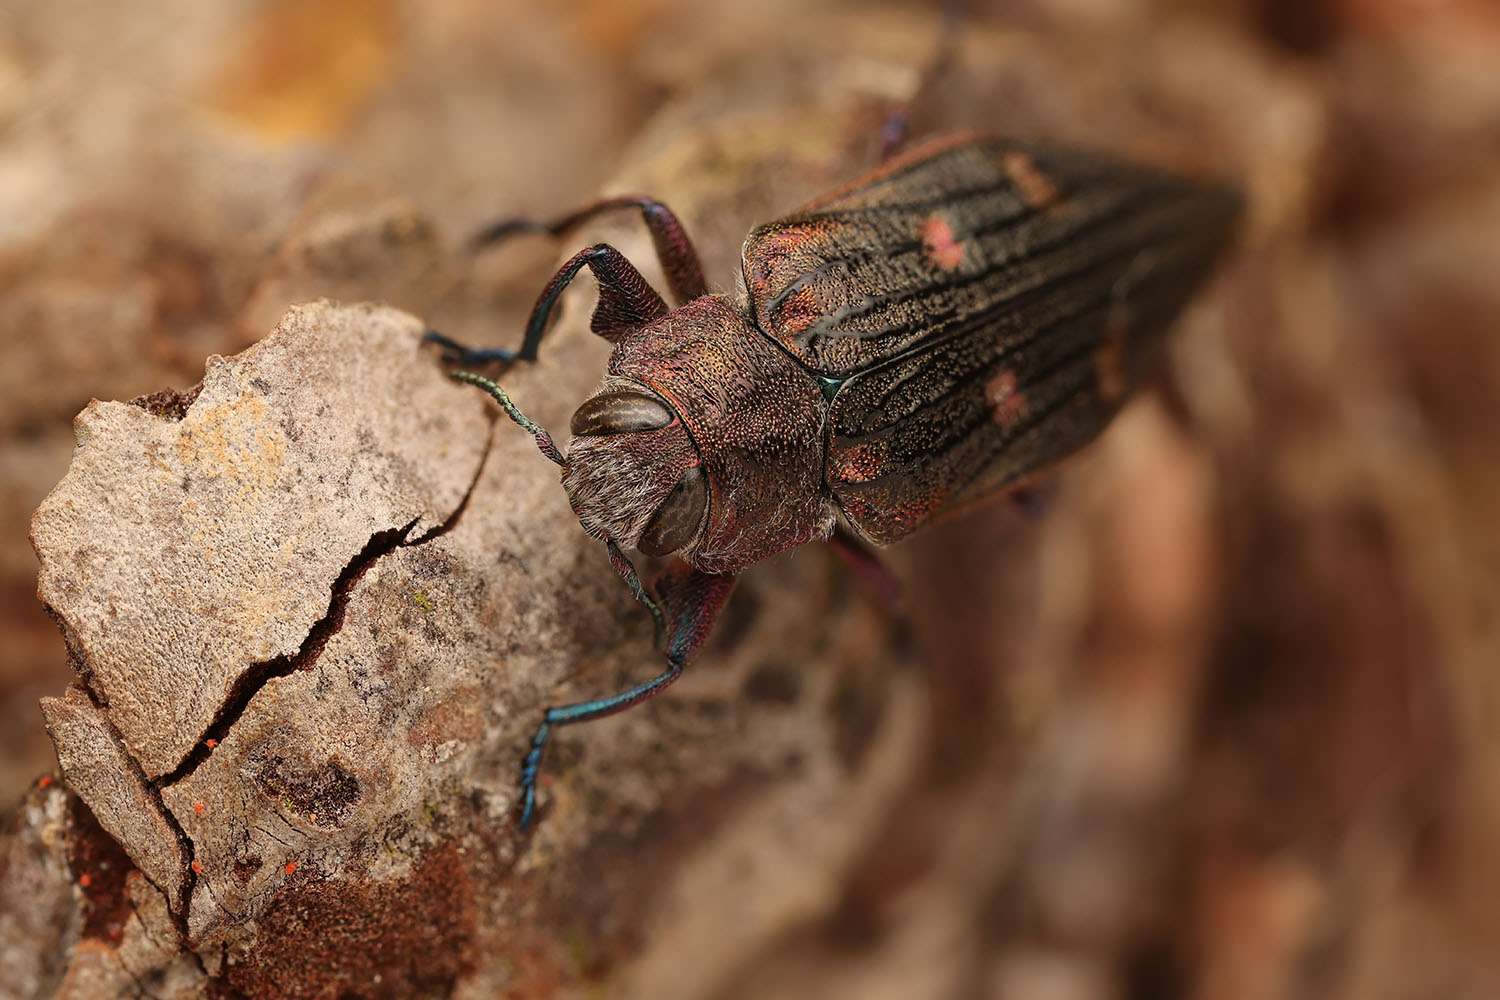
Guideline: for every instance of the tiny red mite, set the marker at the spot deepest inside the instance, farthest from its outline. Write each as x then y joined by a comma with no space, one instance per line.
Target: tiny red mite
918,340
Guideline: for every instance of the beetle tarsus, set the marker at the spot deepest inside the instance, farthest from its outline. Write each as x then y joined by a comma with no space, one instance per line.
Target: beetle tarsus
583,711
690,600
504,229
529,767
455,353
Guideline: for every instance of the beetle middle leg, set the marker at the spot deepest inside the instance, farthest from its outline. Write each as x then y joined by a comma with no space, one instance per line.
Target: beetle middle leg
897,128
678,257
865,564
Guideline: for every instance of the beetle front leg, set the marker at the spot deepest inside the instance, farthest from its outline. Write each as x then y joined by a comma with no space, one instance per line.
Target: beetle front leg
690,602
626,302
865,564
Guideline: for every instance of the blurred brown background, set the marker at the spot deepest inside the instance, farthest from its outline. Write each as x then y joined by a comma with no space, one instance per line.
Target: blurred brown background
1222,724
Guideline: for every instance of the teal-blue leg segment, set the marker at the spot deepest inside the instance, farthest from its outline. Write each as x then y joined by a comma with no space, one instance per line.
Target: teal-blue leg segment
583,711
690,601
461,354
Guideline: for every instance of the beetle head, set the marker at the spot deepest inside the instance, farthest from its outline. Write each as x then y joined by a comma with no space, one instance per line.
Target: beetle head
633,473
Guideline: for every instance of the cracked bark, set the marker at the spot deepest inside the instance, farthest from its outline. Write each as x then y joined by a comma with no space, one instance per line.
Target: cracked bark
251,460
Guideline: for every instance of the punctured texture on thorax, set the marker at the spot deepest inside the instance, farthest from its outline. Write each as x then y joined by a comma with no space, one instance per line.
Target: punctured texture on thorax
757,419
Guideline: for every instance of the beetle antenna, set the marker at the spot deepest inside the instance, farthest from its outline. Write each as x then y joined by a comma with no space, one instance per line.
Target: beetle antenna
543,439
626,569
617,558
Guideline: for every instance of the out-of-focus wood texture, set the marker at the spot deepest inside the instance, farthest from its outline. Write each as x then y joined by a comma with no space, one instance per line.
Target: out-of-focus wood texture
1221,724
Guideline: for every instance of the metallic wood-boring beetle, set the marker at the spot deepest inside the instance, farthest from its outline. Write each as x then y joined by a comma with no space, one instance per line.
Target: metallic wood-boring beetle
937,330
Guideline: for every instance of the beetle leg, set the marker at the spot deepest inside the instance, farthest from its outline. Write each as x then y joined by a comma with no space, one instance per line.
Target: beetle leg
693,600
1030,500
626,302
690,601
679,259
898,123
865,564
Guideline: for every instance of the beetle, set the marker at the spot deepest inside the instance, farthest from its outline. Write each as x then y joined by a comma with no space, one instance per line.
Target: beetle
918,340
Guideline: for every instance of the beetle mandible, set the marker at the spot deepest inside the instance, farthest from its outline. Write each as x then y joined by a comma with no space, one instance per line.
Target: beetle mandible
929,334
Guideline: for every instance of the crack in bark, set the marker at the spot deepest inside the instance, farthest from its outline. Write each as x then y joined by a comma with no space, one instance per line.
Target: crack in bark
451,521
176,908
258,675
250,682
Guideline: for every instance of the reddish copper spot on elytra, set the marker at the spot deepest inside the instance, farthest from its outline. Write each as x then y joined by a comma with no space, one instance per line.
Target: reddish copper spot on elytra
861,463
939,244
800,310
1109,356
1034,186
1003,394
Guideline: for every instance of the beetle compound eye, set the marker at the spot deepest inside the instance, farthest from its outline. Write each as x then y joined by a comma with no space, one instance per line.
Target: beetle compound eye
621,412
675,523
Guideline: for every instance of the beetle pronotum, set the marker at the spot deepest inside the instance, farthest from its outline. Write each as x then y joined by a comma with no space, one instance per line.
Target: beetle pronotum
925,336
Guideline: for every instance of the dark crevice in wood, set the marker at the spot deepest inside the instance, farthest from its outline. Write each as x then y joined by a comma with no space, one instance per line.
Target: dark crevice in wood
258,675
176,907
451,521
